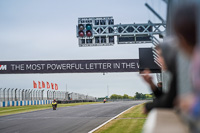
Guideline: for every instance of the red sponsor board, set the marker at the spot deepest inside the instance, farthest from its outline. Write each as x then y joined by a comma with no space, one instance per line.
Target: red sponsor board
56,86
52,86
34,84
48,85
41,84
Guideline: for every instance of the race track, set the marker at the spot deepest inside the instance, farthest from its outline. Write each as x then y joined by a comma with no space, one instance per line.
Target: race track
73,119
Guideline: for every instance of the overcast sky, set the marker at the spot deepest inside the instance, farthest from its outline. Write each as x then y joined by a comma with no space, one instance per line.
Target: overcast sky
46,30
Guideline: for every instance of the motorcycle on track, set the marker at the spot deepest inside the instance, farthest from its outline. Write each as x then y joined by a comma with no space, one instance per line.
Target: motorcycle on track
54,104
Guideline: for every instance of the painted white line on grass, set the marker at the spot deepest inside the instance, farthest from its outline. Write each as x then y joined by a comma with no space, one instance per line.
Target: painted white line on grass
110,120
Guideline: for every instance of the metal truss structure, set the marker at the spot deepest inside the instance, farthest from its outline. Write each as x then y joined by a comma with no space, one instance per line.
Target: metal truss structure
129,29
104,35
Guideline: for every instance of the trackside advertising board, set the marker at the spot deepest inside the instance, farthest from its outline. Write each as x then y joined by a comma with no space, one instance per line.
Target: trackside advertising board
69,66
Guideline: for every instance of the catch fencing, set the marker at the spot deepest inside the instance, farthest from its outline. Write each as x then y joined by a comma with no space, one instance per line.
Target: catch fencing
23,97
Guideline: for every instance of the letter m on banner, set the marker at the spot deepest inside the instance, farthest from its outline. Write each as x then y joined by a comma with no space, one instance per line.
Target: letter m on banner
3,67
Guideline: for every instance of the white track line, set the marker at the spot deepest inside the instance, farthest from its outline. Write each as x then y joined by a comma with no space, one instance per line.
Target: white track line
110,120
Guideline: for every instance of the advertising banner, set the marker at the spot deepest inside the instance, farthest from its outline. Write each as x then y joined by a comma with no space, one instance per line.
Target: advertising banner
69,66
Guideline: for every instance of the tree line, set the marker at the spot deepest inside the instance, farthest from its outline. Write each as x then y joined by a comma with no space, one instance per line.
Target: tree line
137,96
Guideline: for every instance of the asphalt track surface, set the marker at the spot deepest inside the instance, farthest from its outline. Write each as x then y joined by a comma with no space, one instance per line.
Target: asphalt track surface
74,119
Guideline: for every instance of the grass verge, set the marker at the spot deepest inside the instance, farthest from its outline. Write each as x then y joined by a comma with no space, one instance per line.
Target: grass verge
131,121
22,109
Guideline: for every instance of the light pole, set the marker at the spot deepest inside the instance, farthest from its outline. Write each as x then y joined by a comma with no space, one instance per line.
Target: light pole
108,91
66,87
0,95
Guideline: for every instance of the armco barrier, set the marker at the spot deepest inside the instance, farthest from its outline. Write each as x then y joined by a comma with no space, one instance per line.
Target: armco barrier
24,103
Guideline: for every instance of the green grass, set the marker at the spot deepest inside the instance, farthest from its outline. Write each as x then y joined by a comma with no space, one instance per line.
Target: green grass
131,121
135,112
22,109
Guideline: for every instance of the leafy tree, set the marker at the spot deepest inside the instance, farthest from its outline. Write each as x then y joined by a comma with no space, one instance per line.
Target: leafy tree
130,97
115,96
138,95
143,96
125,96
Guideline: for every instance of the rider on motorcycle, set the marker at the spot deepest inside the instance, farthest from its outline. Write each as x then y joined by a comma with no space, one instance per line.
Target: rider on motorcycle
54,104
104,101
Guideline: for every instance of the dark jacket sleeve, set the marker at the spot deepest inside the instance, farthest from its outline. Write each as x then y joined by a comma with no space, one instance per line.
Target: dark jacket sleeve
166,100
157,92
